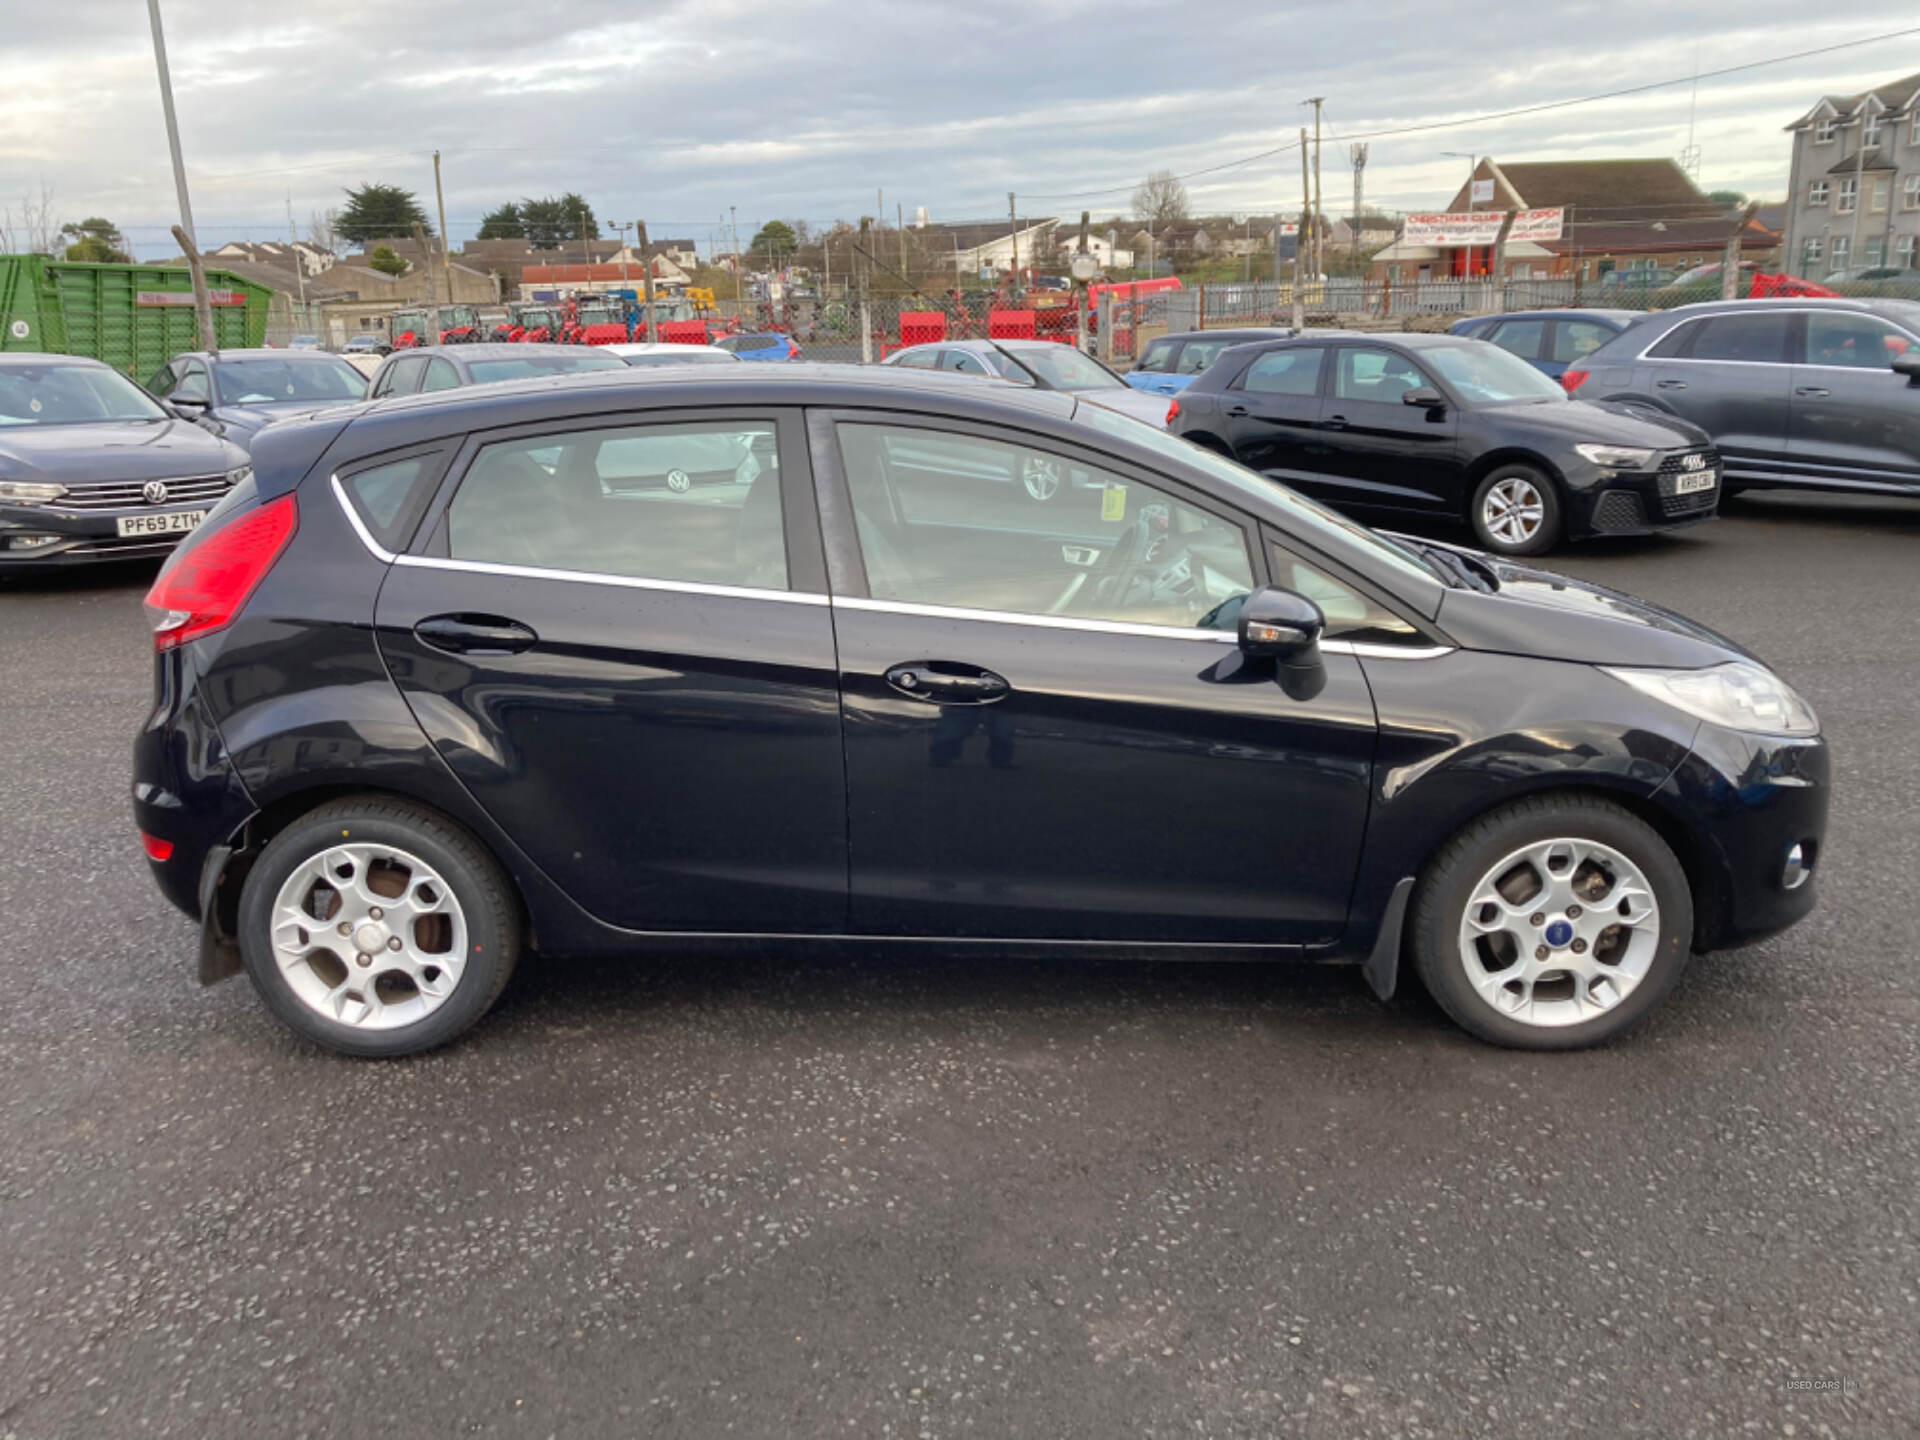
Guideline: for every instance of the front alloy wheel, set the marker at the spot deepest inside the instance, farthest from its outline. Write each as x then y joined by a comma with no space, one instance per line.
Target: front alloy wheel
1516,511
1040,474
1553,923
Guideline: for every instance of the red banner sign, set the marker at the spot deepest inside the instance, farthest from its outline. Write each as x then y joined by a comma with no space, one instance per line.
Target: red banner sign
185,297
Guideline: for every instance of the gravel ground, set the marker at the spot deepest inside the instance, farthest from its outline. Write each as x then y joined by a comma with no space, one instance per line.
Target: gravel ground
949,1197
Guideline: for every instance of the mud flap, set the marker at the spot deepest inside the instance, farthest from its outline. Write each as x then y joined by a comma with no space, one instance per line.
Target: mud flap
219,951
1382,967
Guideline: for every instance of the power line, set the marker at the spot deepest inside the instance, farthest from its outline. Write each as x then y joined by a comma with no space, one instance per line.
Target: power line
1688,79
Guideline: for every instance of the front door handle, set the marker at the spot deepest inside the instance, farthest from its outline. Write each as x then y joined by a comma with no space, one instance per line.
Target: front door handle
475,634
1812,392
1670,384
1334,422
943,682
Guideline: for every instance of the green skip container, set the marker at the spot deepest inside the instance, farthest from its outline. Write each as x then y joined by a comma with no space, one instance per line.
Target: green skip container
134,317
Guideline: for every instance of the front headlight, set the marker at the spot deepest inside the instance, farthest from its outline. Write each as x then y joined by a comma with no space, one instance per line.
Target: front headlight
239,473
1737,695
29,492
1616,457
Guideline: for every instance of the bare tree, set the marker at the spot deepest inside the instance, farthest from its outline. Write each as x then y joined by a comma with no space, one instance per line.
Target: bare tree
33,230
323,230
1161,198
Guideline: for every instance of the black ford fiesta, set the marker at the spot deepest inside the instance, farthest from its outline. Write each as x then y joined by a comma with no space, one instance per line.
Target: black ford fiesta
441,685
91,468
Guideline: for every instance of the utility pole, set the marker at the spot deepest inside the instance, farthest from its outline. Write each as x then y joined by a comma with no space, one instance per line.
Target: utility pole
1730,257
862,264
1859,188
1319,261
446,260
1013,239
900,217
203,310
1301,240
646,280
1085,296
1357,154
299,267
1276,260
733,217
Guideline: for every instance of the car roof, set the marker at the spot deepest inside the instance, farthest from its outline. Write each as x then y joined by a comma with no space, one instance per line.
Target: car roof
1571,312
645,347
1778,302
24,358
258,352
1249,332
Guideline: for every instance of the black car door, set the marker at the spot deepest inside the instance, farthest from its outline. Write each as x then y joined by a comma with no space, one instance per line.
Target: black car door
636,679
1854,419
1271,413
1382,451
1049,731
1729,374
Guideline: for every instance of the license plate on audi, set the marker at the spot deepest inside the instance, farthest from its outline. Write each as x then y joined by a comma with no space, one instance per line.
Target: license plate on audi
1696,482
176,523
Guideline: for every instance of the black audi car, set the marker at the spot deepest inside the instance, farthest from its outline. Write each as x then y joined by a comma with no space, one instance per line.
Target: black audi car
237,393
1450,428
92,468
432,690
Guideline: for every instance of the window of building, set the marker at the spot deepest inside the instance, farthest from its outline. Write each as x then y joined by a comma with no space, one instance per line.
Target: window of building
697,503
1913,130
1810,254
1847,196
1882,189
1910,191
1817,193
1870,133
1842,253
1876,251
1903,249
1823,130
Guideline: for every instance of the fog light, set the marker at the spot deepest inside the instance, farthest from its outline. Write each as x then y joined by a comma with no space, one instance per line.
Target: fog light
1798,867
29,542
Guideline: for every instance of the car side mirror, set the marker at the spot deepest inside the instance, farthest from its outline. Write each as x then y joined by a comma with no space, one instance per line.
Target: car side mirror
1425,398
188,407
1909,366
1281,625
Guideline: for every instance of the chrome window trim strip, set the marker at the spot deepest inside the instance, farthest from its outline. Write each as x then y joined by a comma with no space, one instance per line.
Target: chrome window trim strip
1651,359
379,551
595,577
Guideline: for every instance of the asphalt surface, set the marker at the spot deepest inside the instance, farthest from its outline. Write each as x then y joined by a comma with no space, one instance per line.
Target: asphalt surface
847,1197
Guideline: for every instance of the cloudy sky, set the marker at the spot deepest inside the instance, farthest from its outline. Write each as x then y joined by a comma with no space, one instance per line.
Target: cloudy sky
785,108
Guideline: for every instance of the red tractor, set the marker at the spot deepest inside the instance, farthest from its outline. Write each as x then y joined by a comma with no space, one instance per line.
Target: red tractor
537,324
434,325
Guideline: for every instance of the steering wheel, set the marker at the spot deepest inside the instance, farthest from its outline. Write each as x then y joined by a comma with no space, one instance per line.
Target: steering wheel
1148,552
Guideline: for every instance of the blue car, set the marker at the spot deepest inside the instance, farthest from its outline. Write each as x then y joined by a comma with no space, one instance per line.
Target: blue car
1171,362
1549,340
765,345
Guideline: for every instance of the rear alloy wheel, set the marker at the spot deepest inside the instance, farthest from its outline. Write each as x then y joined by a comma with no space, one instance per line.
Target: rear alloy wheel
1552,924
1516,511
1040,475
377,929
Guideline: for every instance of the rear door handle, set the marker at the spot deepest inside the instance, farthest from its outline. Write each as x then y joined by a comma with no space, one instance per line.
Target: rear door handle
1334,422
475,634
1813,392
1670,384
944,682
1237,410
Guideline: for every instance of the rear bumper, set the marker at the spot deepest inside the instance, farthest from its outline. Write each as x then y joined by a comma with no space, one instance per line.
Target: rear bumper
45,537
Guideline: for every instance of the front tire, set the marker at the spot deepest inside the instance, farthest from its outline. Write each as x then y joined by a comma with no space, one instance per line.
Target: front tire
1553,923
377,928
1516,510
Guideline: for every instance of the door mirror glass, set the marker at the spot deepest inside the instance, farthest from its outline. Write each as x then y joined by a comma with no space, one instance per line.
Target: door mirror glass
1278,624
1425,398
1908,365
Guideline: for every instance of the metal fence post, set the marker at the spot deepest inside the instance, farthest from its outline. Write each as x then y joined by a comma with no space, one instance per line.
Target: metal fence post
866,307
1106,326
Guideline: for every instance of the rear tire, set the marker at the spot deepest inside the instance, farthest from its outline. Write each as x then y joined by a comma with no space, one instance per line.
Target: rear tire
1525,955
1516,510
378,928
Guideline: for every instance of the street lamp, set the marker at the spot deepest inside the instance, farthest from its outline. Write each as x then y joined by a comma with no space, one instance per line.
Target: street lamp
1473,168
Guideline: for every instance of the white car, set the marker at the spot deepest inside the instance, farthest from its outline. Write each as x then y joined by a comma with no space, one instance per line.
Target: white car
646,355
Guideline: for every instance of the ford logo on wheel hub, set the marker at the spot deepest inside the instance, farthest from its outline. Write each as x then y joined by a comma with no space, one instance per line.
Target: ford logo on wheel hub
1559,933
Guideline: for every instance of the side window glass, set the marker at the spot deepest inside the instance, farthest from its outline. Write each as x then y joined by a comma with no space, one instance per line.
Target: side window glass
956,520
1284,372
918,359
387,496
1382,376
1676,342
1159,357
1197,355
1576,339
193,385
1857,341
964,362
440,376
697,503
1753,338
1350,614
162,382
1521,337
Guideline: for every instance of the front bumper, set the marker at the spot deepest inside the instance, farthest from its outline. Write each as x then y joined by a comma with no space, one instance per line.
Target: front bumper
1751,799
48,537
1644,502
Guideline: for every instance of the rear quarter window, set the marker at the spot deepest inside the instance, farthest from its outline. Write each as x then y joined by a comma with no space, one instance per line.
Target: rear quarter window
389,497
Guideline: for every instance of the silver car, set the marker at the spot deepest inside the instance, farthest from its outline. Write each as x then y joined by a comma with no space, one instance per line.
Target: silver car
1045,364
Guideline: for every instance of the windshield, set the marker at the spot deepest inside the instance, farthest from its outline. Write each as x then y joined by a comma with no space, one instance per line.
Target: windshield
71,395
1065,368
274,382
1486,374
522,367
536,319
1312,519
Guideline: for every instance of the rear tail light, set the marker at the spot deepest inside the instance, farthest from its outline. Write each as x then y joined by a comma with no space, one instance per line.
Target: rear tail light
1173,411
206,581
1571,380
156,848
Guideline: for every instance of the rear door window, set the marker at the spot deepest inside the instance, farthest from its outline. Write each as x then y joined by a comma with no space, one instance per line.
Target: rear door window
689,502
1755,339
1851,341
1159,357
1285,372
1576,339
